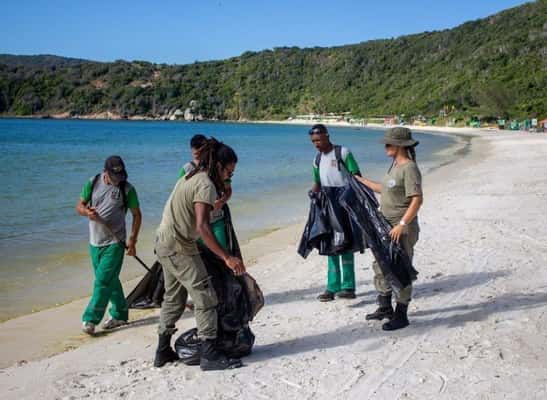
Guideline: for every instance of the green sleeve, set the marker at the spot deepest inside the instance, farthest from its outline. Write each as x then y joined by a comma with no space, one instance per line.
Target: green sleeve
316,178
132,199
85,194
351,164
182,172
413,180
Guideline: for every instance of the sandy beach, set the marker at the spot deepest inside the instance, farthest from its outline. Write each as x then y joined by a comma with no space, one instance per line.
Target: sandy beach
477,320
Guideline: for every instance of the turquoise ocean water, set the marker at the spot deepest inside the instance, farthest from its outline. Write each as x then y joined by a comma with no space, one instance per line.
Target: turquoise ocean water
44,164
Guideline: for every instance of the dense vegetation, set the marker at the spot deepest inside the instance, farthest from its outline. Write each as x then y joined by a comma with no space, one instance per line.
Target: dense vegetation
490,67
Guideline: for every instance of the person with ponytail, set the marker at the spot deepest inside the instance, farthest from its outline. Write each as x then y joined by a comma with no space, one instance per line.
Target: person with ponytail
401,198
218,222
186,217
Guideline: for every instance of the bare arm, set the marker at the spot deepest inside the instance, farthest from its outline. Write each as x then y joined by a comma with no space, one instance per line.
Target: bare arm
135,228
409,216
413,208
374,186
203,227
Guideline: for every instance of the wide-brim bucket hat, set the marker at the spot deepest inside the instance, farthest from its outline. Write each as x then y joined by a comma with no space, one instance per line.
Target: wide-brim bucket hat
399,136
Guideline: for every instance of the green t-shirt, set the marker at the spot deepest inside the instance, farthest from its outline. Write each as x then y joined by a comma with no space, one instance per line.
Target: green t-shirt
398,187
177,231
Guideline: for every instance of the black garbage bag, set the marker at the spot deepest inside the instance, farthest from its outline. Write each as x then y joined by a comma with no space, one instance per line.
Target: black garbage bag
239,299
235,345
149,291
361,205
329,228
363,222
317,229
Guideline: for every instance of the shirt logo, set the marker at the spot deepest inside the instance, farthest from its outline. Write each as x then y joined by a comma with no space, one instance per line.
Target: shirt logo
391,183
115,194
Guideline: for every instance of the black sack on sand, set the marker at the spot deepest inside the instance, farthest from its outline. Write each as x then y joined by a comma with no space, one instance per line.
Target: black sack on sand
149,291
188,346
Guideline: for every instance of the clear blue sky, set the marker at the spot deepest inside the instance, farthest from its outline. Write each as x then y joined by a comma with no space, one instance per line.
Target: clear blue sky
184,31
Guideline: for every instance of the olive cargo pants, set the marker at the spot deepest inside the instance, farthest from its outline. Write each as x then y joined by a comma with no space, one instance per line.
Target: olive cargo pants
185,274
408,240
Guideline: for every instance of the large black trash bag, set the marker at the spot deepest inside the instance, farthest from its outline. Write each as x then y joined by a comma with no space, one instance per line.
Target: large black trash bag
317,229
239,299
361,205
149,291
234,344
366,225
329,229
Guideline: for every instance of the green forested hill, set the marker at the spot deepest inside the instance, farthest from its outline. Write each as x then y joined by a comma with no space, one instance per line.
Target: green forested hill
495,66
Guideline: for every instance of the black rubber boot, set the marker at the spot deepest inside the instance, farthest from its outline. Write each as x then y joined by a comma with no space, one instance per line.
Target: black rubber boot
213,360
326,296
164,353
384,310
346,294
400,319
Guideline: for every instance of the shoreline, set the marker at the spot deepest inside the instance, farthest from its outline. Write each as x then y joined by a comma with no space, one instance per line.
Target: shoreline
132,271
253,249
480,299
108,116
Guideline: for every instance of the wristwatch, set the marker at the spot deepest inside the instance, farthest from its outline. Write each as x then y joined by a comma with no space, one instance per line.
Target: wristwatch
402,222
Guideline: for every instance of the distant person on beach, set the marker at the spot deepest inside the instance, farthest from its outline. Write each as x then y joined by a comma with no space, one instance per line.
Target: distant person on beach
401,198
186,217
217,215
326,173
105,199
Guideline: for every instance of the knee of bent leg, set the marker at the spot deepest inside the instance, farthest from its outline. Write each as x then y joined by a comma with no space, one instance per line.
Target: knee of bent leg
204,295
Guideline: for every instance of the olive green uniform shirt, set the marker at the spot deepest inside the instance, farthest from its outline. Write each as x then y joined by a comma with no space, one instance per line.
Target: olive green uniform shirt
177,231
399,185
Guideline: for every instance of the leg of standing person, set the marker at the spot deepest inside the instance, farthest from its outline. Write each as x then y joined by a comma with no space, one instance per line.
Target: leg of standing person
385,309
189,274
172,307
348,276
107,262
400,318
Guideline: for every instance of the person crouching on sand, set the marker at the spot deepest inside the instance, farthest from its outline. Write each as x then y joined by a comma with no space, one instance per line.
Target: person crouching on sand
185,218
401,198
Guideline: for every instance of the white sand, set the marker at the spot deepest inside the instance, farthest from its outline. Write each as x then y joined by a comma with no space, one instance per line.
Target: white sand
478,322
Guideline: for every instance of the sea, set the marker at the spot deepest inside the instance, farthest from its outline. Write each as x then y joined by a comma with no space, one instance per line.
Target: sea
44,164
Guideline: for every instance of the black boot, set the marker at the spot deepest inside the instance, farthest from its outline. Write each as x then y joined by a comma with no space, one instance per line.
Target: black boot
164,352
384,310
213,359
400,320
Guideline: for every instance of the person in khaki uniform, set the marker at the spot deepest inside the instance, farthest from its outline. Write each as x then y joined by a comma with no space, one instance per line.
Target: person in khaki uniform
186,218
401,198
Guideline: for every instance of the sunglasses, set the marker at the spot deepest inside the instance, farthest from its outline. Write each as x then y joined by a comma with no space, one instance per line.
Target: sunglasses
316,131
